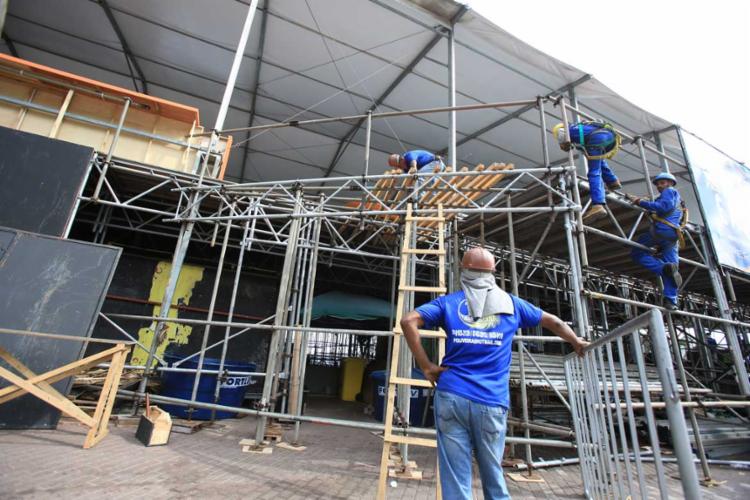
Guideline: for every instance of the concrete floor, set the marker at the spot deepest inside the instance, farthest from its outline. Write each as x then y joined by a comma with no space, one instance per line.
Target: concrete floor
339,463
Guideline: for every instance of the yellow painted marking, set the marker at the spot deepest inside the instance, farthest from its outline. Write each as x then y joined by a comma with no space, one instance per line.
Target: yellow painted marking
174,333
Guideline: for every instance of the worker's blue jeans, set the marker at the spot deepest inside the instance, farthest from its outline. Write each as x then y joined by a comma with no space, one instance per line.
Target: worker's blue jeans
463,426
666,241
599,171
429,169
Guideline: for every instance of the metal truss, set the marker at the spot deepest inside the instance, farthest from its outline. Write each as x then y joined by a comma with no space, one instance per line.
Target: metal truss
347,224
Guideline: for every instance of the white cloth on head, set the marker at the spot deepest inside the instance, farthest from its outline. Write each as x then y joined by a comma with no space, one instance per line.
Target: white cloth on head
483,296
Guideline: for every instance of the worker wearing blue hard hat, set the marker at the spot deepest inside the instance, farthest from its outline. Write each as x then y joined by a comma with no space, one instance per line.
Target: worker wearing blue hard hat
598,141
668,218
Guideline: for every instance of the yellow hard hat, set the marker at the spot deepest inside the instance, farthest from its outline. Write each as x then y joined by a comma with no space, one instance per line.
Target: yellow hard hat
556,128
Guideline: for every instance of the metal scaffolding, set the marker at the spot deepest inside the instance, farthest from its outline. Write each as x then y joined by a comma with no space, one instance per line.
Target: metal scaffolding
581,272
348,223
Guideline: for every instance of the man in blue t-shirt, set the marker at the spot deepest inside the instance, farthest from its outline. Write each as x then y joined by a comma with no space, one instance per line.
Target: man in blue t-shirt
472,400
664,234
423,161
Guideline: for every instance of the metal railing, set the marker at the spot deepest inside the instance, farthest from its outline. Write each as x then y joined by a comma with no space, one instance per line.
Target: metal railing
603,404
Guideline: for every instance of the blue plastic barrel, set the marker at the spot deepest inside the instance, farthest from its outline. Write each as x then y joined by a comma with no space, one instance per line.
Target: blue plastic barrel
180,385
418,398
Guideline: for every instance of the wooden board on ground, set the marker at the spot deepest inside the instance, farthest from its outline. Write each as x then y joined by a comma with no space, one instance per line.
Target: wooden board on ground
274,432
183,426
249,446
290,446
522,477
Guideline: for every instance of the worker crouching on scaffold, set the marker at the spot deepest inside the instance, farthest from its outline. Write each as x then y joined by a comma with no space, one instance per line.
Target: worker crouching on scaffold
598,141
668,219
423,161
472,394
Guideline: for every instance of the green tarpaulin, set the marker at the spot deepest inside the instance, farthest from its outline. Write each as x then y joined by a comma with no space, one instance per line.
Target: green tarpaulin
350,306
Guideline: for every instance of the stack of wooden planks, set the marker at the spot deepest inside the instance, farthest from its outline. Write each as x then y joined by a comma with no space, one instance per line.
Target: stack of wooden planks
455,191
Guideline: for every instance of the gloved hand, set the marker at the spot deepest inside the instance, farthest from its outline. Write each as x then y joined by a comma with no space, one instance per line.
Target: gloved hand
633,199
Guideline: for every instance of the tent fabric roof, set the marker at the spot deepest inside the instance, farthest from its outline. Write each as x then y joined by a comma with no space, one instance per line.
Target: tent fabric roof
350,306
322,58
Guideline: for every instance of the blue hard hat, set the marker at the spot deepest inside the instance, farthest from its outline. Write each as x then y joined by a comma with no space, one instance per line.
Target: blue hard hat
665,176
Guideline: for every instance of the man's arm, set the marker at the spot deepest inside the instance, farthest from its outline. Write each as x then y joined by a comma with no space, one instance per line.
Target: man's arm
410,325
663,205
562,330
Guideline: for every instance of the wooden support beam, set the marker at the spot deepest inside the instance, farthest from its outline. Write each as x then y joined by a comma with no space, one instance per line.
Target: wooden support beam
40,386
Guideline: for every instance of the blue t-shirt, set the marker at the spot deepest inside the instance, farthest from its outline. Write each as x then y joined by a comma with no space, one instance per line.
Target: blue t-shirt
420,156
477,353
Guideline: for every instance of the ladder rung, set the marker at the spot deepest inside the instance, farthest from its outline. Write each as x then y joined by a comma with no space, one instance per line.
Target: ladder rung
393,438
411,381
424,333
435,289
424,251
425,219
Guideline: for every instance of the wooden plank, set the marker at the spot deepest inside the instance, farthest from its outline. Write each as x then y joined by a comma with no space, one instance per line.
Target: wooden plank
26,372
424,251
436,192
468,182
383,476
406,184
61,114
52,376
424,333
411,381
458,200
430,289
61,403
389,193
106,400
457,182
492,180
394,438
424,219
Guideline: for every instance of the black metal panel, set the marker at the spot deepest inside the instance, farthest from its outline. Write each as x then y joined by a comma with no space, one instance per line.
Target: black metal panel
48,285
40,179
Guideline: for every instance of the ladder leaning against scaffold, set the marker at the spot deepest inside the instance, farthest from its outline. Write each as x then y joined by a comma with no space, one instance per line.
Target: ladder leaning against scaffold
411,233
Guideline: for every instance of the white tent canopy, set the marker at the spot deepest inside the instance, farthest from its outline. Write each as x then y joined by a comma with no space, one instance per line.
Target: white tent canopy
322,58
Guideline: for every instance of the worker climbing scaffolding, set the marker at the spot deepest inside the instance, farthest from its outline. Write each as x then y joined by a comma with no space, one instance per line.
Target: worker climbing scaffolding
598,141
668,219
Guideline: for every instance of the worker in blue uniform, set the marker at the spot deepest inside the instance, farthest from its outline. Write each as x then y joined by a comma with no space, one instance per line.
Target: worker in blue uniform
598,141
668,218
472,396
422,160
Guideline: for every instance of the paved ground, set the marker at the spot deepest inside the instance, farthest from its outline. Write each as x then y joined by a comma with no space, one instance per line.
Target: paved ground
339,463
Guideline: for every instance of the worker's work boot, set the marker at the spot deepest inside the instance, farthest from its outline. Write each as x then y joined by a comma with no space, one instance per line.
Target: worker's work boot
595,212
673,271
670,306
614,186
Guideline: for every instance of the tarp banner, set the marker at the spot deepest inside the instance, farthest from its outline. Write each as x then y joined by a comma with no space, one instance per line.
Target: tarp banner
724,188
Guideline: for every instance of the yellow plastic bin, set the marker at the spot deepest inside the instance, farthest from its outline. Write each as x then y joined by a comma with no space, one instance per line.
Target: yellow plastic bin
352,372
